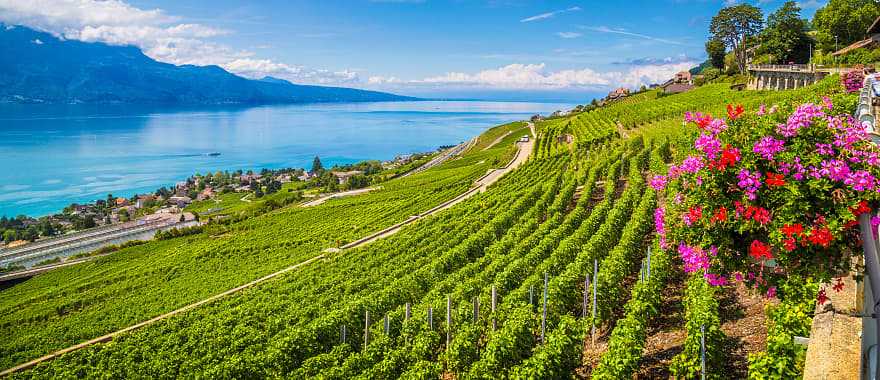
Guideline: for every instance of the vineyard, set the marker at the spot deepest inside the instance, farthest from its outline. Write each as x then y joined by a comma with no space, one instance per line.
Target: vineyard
554,272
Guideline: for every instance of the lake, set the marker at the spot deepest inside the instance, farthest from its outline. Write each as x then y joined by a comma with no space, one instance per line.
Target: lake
56,155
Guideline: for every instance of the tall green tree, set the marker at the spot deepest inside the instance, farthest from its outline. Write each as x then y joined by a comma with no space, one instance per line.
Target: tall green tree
733,26
716,50
785,37
317,167
842,22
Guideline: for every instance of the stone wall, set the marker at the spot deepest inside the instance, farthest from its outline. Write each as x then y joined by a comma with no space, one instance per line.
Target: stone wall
782,80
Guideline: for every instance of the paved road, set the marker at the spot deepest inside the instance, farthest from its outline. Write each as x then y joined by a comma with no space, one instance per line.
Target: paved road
325,198
498,140
443,157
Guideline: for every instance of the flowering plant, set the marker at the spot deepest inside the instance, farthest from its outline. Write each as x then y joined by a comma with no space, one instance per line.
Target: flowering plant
853,80
767,194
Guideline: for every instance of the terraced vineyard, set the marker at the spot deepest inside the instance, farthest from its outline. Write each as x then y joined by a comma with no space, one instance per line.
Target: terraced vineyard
498,286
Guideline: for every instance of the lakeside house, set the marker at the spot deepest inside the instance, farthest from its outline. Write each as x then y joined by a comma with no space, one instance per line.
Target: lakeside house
207,193
342,177
143,200
180,201
681,82
306,176
619,93
247,178
683,77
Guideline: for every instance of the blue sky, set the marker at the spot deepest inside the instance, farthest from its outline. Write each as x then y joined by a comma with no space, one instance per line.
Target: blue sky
429,48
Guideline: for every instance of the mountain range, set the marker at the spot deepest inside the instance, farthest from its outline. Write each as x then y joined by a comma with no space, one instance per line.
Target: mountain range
38,67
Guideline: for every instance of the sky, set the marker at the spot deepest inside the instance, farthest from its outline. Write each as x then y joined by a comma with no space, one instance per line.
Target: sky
502,49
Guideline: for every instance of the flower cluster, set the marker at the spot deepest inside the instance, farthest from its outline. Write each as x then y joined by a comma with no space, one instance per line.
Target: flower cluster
767,146
764,195
853,80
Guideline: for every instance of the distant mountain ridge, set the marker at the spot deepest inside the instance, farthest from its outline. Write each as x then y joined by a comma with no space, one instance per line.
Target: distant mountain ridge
39,68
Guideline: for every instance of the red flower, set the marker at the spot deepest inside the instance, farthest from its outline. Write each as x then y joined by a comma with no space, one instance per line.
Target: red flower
792,230
760,251
739,208
704,121
822,297
774,180
720,215
821,236
789,244
732,113
758,214
838,286
693,215
861,208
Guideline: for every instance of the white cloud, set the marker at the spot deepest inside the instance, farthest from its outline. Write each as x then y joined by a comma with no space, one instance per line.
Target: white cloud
161,36
258,68
605,29
547,15
536,76
374,80
569,34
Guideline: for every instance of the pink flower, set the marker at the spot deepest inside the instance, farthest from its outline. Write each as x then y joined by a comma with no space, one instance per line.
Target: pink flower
715,279
861,180
694,258
709,145
771,293
801,118
658,182
767,146
827,102
660,226
749,182
762,109
716,126
691,164
824,149
835,170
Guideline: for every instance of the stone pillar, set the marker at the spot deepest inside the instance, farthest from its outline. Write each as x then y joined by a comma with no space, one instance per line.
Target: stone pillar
834,350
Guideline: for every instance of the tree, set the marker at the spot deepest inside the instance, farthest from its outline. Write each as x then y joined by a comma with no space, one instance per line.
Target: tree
9,236
358,181
716,50
123,215
317,167
733,25
785,37
842,22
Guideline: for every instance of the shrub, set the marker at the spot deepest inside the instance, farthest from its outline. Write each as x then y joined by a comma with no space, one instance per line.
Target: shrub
764,195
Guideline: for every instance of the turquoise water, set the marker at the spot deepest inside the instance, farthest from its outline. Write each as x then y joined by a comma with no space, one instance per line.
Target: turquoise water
56,155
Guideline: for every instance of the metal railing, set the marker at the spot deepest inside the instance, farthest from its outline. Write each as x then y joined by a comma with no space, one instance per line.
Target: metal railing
865,115
790,67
